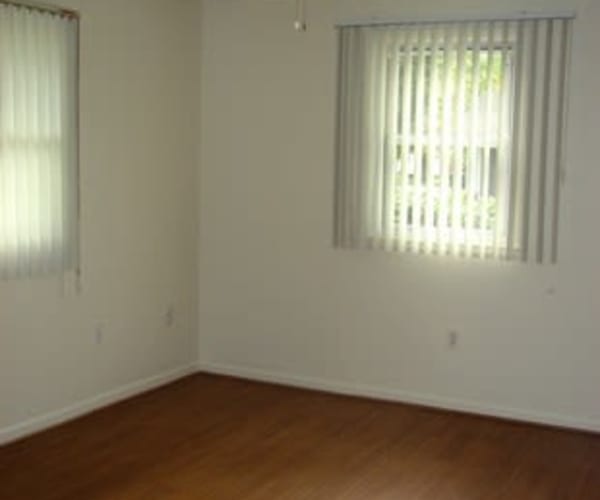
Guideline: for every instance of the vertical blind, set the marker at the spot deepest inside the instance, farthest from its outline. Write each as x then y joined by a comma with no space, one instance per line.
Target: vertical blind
451,137
38,142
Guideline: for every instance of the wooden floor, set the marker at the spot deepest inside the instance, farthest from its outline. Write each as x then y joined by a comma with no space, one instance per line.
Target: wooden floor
217,438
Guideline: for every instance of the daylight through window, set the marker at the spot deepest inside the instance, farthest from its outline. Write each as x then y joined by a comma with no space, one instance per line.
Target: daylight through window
38,142
450,138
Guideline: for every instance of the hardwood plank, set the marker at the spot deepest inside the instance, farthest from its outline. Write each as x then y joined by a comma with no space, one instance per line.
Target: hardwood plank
209,437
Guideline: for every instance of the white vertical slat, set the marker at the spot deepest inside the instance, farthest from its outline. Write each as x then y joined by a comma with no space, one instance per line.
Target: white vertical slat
535,137
530,133
459,143
449,52
45,214
380,78
518,141
53,89
353,138
34,199
6,87
30,157
546,121
45,155
352,143
20,103
372,178
474,143
488,134
565,39
63,106
5,94
398,50
407,132
391,135
341,150
27,169
432,138
29,153
11,161
417,204
71,180
502,166
552,102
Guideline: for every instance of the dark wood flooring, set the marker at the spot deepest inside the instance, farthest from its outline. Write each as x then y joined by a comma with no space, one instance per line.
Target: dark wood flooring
218,438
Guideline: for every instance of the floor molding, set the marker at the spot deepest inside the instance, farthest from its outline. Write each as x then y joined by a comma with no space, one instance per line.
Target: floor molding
52,419
385,394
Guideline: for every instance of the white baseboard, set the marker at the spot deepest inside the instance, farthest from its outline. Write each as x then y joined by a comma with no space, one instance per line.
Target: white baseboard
386,394
48,420
43,422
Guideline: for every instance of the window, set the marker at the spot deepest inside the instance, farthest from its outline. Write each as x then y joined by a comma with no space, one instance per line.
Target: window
450,138
38,142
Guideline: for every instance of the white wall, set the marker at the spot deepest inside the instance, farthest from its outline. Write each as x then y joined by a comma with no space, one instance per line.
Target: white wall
139,223
276,301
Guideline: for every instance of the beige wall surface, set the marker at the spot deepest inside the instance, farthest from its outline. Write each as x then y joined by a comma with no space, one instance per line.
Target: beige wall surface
139,225
274,299
277,301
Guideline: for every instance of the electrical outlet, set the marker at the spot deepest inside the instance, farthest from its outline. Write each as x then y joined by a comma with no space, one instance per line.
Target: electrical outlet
170,316
453,338
99,334
300,26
